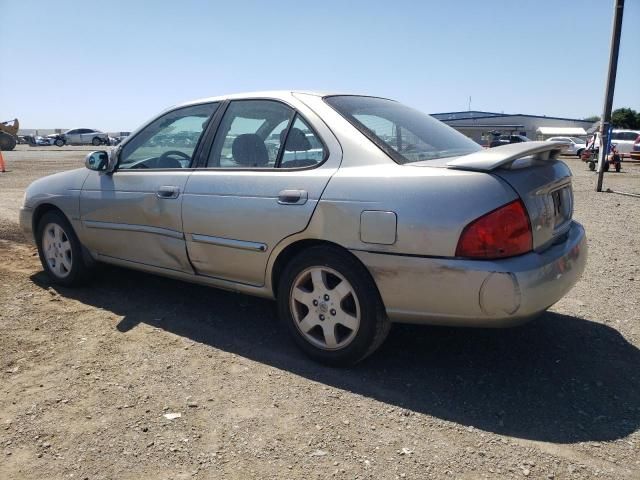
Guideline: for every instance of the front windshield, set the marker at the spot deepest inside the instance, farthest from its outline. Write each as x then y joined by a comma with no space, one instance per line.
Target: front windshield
577,140
405,134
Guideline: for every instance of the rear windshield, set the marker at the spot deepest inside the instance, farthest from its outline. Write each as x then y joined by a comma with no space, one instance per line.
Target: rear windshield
405,134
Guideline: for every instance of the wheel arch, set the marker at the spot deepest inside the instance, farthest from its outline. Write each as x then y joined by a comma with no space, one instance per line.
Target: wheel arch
40,211
44,208
295,248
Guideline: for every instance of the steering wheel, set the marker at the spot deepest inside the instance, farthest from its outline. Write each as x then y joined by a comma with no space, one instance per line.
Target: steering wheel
169,153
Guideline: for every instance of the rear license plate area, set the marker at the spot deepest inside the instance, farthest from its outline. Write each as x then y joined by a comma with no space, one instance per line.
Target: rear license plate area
561,207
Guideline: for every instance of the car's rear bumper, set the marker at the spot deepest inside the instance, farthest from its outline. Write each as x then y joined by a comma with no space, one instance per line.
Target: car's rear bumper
444,291
26,223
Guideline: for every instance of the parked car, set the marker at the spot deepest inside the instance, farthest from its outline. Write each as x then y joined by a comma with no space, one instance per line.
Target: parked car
42,141
83,136
625,140
635,153
55,139
575,145
507,139
423,226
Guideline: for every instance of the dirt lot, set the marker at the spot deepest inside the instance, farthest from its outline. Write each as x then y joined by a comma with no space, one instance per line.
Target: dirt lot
87,375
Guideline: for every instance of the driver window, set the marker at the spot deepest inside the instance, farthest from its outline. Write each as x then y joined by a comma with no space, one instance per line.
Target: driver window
169,141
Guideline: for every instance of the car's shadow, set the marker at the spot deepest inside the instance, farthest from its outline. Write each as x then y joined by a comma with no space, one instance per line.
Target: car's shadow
558,379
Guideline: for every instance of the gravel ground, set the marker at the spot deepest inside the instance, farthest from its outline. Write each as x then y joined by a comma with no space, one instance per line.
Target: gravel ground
89,376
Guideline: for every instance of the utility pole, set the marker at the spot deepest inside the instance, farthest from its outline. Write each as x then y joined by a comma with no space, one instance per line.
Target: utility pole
605,120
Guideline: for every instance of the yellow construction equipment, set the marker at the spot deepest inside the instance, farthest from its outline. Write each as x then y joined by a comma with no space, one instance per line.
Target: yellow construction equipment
9,134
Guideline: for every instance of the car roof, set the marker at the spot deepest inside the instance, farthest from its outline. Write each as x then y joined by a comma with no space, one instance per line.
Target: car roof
273,94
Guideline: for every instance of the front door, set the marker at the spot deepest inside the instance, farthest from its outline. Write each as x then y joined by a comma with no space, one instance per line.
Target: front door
265,173
73,136
135,214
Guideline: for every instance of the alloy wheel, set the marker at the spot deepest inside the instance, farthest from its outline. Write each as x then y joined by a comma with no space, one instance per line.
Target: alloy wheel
325,307
56,248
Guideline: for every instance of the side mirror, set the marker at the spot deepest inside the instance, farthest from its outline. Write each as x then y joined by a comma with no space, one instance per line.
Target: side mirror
101,161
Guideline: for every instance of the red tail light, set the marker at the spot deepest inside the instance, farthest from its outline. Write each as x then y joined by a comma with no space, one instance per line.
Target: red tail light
637,142
504,232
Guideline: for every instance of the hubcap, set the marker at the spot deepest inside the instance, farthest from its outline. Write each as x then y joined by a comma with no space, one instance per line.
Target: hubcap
56,248
325,308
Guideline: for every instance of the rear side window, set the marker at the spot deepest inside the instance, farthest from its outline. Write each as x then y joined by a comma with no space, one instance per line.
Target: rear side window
405,134
264,134
250,134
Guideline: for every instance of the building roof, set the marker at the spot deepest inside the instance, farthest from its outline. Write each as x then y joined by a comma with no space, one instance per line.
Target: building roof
476,114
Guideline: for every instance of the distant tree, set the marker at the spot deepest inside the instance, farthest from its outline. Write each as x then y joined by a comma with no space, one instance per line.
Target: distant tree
625,118
593,118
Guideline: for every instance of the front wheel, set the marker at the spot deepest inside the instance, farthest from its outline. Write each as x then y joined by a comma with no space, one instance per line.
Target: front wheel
96,141
60,250
618,167
592,166
331,306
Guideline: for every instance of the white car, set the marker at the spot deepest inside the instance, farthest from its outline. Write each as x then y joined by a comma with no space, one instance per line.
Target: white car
83,136
575,145
624,140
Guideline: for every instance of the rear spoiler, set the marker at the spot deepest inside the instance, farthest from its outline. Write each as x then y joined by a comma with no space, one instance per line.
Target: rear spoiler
492,158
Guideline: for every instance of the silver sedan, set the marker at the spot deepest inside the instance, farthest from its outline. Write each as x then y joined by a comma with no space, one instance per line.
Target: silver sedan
353,212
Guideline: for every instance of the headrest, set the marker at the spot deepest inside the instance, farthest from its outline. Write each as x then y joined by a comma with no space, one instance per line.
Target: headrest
297,141
249,150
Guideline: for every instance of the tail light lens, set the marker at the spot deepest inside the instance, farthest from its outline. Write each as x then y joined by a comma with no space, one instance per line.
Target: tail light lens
504,232
637,142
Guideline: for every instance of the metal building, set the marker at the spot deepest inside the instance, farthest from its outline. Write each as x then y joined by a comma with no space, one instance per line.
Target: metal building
482,126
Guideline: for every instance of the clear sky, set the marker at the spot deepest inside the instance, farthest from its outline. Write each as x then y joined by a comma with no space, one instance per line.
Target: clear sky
112,65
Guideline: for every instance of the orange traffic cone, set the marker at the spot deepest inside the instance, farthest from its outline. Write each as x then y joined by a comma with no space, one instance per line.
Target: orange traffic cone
2,167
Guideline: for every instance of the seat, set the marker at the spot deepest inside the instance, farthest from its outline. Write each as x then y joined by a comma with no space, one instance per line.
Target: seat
297,141
248,150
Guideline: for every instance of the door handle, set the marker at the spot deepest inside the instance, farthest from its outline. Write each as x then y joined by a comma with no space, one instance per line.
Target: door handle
168,191
293,197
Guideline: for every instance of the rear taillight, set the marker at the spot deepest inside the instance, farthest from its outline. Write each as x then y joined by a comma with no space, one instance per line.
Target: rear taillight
637,142
504,232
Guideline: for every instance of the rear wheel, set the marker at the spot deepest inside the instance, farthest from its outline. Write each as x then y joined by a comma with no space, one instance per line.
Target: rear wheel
60,250
96,141
331,306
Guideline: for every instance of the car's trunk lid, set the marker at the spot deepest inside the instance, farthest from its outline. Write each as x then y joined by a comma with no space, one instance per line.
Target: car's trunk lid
533,171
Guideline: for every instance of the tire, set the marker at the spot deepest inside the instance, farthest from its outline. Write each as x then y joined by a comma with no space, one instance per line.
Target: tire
346,330
96,141
606,166
59,142
618,167
7,142
60,250
592,166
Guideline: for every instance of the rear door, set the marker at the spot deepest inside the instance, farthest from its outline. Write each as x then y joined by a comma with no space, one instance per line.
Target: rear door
260,183
135,214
